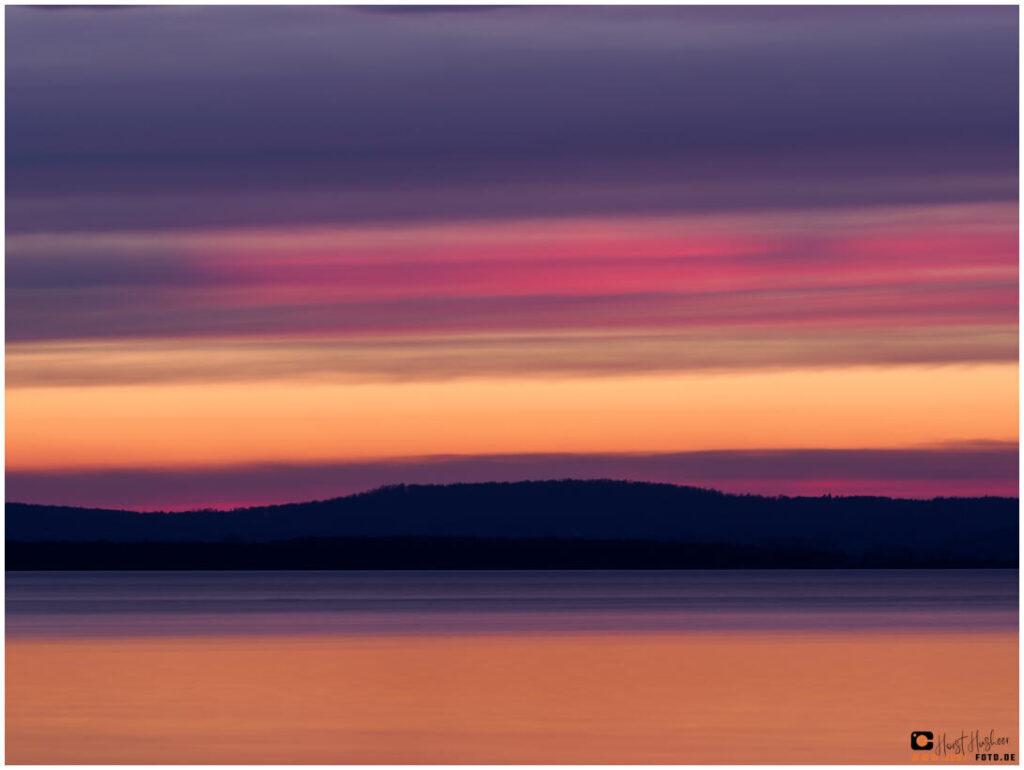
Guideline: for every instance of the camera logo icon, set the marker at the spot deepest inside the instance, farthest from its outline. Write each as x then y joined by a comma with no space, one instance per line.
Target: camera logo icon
922,740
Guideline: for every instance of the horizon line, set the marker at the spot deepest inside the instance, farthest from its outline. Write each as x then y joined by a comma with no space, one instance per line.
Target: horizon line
400,485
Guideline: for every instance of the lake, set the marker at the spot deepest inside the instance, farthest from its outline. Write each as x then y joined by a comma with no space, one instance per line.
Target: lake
819,666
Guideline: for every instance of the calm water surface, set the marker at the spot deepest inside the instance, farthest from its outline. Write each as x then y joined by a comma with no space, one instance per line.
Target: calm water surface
505,667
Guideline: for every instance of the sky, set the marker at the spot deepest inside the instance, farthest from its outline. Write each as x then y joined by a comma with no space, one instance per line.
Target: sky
276,253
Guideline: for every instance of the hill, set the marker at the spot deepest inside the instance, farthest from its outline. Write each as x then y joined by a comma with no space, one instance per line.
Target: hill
766,531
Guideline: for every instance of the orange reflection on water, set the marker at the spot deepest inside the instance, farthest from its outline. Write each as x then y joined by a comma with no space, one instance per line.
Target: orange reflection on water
642,698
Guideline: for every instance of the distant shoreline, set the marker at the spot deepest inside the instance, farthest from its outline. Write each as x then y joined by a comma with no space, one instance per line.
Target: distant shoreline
457,553
568,524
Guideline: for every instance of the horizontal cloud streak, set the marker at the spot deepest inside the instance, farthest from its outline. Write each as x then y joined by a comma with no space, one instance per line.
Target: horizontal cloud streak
341,115
918,266
548,354
970,469
106,314
314,420
566,192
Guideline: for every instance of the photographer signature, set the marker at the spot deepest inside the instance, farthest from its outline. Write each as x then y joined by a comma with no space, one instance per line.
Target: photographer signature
969,743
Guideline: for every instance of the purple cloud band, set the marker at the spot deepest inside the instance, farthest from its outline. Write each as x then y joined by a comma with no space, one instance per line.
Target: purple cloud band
973,469
312,114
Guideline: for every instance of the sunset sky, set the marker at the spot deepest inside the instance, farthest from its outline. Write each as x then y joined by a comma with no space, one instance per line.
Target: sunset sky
266,254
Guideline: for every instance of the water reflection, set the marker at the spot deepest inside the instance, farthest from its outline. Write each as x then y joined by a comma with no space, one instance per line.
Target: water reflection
504,667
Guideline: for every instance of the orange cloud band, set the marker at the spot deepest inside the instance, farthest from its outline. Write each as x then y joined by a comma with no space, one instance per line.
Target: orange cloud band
198,424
